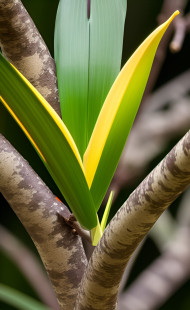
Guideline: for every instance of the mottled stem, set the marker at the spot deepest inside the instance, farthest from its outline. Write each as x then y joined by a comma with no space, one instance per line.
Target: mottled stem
161,279
99,287
37,208
24,47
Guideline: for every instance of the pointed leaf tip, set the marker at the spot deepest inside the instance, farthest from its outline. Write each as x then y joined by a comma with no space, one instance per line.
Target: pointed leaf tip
117,115
177,12
107,211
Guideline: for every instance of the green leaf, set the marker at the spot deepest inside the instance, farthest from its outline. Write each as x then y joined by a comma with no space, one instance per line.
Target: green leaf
107,19
117,116
107,211
51,139
88,57
19,300
96,234
71,56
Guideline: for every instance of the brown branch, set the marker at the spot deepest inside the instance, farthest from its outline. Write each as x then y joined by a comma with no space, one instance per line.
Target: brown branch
23,46
61,251
161,279
129,268
29,265
181,28
187,20
167,273
179,35
99,287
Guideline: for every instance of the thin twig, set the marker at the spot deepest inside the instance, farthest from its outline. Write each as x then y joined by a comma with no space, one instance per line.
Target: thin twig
84,234
77,229
179,35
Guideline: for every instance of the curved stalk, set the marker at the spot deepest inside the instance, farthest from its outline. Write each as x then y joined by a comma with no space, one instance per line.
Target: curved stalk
99,287
37,208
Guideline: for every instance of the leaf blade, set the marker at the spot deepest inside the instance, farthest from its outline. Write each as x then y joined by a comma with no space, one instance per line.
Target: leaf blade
53,140
88,48
20,300
107,137
72,56
107,19
107,211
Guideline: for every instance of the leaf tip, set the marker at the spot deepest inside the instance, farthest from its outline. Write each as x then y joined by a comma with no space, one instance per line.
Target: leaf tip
177,12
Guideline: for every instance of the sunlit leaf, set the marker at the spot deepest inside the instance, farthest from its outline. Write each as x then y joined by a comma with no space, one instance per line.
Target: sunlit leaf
117,116
51,139
107,211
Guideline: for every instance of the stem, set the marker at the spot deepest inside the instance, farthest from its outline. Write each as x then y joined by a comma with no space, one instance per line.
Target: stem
24,47
61,251
99,287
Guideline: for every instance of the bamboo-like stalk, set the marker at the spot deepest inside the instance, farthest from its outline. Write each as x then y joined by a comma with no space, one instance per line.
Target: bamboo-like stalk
99,287
39,211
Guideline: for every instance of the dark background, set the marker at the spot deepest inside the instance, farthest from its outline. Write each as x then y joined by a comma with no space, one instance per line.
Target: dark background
141,20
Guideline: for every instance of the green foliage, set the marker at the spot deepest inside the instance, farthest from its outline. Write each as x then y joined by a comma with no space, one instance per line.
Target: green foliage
51,139
19,300
88,43
88,58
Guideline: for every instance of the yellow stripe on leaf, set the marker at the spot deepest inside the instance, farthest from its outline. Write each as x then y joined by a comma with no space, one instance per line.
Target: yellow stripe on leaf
112,103
117,115
23,128
54,116
51,138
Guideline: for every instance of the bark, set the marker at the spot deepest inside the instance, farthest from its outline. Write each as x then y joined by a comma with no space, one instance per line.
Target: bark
99,287
24,47
39,211
61,251
154,286
161,279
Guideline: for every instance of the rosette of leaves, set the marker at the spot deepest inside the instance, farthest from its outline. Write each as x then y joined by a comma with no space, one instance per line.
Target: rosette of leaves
98,103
